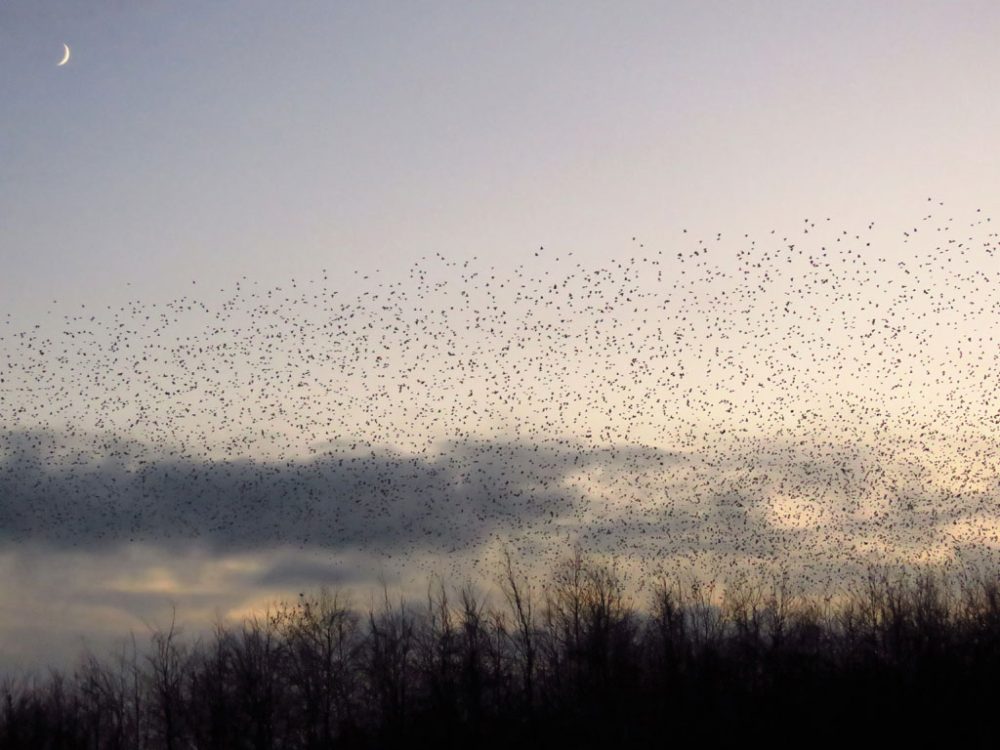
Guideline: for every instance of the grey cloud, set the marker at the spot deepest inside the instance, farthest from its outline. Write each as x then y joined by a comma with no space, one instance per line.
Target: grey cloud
774,502
298,572
119,491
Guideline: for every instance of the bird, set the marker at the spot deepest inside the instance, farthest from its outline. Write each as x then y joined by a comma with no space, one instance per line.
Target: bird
817,398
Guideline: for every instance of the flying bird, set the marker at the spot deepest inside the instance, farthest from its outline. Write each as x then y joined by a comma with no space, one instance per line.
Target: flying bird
796,398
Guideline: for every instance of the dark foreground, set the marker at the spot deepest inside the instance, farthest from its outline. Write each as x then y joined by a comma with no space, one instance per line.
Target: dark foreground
568,664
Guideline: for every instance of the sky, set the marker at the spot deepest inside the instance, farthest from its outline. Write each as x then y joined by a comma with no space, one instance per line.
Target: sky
350,232
188,141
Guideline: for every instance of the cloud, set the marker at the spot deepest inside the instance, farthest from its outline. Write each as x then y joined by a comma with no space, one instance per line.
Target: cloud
94,492
294,572
827,509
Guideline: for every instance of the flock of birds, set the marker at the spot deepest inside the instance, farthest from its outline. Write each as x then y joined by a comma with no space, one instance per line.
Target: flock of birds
820,398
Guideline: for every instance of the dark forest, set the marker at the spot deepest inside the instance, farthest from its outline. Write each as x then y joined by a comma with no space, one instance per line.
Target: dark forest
573,662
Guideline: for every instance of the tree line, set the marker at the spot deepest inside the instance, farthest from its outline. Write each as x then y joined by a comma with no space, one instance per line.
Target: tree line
571,662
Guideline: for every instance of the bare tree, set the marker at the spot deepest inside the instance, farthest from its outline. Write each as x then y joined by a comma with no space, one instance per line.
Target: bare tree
519,598
389,661
166,665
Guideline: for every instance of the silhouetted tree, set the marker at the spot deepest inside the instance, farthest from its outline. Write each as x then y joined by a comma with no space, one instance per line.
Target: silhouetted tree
567,662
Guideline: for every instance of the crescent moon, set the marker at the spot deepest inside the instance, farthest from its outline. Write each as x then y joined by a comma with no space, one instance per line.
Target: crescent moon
65,56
